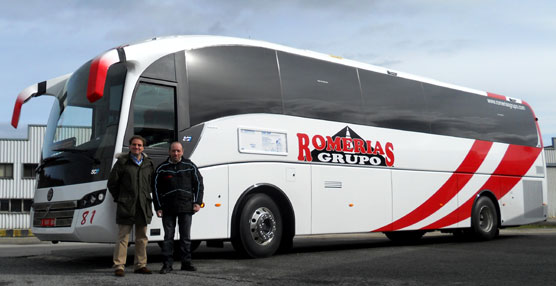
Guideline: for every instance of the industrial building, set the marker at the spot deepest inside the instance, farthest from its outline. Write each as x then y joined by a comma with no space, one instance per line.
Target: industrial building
18,160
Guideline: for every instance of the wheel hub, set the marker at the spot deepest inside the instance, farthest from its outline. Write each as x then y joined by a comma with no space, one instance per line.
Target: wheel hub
486,220
262,225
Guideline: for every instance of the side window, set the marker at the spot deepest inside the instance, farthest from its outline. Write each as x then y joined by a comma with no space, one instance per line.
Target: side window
153,114
15,205
461,114
6,171
232,80
29,171
27,205
456,113
319,89
393,102
4,205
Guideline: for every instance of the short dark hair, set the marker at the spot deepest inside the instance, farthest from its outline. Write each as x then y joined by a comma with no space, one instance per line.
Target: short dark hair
138,137
172,143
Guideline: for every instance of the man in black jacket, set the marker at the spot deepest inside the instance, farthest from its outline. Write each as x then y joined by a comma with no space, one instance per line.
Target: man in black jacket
178,193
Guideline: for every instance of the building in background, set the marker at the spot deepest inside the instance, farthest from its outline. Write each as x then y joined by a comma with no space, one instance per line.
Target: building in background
550,155
18,160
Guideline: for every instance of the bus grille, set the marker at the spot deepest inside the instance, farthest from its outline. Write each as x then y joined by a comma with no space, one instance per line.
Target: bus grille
58,214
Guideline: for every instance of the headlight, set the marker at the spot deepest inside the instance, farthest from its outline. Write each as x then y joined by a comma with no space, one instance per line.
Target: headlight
91,199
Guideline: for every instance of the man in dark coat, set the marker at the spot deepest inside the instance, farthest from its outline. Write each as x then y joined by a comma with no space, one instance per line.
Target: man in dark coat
130,183
178,194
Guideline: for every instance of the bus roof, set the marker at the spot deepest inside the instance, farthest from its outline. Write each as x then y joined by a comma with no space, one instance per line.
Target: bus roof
201,41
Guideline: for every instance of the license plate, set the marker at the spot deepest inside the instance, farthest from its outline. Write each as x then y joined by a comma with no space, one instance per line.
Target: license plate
48,222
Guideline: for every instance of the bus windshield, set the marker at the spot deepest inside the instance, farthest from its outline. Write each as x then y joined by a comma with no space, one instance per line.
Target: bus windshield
80,138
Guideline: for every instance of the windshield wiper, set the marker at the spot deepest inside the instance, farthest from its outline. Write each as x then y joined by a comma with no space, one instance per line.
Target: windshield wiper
78,151
45,161
70,150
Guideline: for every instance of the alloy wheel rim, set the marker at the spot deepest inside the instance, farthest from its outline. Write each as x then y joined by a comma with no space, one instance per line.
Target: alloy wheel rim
262,226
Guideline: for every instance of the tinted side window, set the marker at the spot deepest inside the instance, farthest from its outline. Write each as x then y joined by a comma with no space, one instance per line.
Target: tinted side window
519,124
153,114
319,89
456,113
163,69
461,114
232,80
393,102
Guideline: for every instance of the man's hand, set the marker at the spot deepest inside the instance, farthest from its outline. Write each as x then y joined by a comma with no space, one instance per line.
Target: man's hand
159,213
196,207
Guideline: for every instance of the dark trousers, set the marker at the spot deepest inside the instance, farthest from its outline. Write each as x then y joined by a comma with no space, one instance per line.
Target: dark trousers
184,227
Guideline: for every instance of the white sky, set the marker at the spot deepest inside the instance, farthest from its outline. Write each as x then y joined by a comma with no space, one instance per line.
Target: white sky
505,47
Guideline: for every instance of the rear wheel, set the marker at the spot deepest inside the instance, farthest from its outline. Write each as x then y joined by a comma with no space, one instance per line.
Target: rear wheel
484,219
259,227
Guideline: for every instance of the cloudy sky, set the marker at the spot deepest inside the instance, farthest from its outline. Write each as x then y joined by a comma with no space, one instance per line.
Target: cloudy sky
505,47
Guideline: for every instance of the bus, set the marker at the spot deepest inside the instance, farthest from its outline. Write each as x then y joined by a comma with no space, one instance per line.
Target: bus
290,143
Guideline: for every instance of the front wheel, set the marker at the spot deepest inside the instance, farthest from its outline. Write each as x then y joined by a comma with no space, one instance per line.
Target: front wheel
484,219
259,227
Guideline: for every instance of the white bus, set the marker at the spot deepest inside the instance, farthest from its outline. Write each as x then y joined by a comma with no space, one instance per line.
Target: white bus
289,143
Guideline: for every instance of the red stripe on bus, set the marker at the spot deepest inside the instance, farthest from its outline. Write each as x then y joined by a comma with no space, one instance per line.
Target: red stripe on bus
449,189
497,96
514,165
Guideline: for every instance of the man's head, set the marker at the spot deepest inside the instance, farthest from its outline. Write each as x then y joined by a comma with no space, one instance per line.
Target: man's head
175,152
136,145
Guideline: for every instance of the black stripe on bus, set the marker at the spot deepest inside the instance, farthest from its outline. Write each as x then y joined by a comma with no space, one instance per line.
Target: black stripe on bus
41,88
121,54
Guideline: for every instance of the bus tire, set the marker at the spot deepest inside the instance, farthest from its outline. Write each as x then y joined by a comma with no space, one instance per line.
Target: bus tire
484,219
259,228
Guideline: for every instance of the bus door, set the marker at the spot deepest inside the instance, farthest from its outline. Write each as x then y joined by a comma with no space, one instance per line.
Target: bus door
154,115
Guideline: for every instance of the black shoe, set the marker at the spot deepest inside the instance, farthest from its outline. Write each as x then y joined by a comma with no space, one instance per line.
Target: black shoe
165,269
188,267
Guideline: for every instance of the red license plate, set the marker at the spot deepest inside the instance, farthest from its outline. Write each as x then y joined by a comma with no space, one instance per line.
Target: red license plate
48,222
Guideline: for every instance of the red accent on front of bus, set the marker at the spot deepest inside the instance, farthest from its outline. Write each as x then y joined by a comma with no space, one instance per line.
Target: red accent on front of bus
97,77
17,110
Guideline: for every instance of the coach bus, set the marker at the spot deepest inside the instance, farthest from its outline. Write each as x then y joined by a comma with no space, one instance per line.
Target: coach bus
289,142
